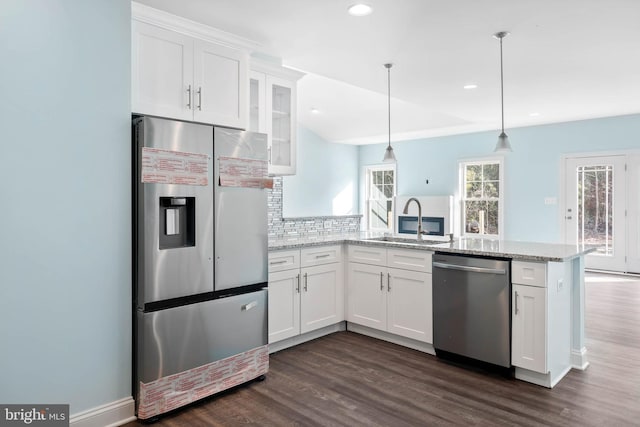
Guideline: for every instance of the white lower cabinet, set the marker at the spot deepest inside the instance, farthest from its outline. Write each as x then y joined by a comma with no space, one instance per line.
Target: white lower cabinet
393,300
321,297
409,304
284,304
304,298
541,321
529,325
366,295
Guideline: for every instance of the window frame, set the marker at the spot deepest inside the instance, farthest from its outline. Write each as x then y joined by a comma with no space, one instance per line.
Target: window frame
367,199
462,165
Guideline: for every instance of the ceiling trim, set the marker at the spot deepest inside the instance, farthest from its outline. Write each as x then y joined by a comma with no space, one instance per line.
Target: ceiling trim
160,18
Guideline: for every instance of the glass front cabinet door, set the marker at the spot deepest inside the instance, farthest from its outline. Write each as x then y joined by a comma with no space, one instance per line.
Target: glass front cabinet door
273,110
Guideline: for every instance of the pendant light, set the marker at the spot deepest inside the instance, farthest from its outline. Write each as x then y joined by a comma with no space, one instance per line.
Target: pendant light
503,144
389,157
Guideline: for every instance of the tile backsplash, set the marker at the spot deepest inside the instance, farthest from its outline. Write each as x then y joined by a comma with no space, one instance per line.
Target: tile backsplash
319,225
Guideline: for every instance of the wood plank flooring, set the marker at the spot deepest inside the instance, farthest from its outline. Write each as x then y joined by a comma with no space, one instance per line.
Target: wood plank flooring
346,379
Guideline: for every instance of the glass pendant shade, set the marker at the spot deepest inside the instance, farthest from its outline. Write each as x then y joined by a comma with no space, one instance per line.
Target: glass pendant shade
389,157
503,145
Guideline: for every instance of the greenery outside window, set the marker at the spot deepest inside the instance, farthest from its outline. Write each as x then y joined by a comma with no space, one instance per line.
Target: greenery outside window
380,187
482,201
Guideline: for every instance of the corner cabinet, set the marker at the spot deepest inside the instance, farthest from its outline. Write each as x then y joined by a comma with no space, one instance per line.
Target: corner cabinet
390,290
306,291
182,77
272,109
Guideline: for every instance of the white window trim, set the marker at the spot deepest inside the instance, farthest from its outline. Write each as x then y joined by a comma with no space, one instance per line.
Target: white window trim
461,178
367,173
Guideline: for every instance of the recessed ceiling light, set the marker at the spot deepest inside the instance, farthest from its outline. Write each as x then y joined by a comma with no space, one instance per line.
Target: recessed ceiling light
315,111
360,9
470,86
534,114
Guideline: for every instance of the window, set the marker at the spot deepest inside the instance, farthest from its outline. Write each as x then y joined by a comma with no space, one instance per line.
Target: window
380,190
482,197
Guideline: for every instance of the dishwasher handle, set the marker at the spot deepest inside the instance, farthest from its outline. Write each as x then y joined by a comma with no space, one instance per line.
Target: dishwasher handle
469,268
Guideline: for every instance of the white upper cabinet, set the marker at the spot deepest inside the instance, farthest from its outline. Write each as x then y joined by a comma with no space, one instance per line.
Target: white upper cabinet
162,72
219,83
180,72
272,101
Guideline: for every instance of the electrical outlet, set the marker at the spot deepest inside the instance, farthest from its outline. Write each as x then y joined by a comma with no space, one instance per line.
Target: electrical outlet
560,285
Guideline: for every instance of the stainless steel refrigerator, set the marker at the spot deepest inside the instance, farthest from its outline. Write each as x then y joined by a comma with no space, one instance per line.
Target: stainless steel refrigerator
200,261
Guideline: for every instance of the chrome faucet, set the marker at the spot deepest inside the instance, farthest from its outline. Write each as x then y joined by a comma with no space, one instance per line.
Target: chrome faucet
406,211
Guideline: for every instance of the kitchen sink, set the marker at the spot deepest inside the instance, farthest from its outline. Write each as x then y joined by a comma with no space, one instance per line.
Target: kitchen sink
405,240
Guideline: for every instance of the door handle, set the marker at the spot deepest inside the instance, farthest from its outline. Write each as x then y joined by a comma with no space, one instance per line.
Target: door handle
381,284
298,286
200,98
189,97
306,283
516,303
389,282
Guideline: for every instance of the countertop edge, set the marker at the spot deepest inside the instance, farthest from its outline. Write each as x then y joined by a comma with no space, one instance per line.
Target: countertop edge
438,247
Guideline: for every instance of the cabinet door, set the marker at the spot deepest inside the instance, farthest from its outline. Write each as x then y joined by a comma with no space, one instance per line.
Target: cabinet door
367,295
257,102
161,72
281,125
220,85
322,296
529,327
284,304
409,304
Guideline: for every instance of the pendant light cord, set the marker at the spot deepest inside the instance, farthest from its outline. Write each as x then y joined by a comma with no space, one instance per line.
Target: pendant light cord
501,85
389,99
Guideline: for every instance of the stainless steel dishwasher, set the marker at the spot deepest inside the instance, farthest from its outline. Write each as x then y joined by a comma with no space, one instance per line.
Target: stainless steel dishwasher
471,308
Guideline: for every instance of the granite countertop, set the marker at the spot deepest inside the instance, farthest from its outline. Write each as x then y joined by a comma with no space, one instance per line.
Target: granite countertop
525,251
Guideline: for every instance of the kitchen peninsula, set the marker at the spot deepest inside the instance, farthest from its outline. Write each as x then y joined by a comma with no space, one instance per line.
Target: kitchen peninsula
381,286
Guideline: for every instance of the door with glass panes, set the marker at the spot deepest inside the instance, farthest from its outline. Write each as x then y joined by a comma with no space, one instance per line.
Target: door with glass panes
594,211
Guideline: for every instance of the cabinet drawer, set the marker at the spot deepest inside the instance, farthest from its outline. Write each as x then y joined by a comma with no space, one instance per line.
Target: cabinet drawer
407,259
284,260
367,255
320,255
529,273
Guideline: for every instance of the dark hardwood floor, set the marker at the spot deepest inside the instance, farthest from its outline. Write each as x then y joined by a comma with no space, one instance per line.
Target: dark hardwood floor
346,379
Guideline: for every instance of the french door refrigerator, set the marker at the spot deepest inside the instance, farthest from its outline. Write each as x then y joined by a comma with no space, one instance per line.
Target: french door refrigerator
200,261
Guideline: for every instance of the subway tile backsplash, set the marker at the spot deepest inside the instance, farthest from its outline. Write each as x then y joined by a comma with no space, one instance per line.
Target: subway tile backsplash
289,227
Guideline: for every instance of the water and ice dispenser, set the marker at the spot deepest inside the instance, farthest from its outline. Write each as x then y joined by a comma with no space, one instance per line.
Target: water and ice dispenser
177,222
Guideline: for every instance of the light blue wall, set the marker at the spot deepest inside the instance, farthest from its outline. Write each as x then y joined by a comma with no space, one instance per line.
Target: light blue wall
532,170
65,242
326,182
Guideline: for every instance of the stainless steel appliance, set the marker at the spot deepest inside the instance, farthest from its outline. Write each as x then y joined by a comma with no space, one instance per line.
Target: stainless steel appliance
436,213
471,308
200,261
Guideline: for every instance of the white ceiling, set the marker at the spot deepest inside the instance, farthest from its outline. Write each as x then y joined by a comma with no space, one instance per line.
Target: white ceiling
564,60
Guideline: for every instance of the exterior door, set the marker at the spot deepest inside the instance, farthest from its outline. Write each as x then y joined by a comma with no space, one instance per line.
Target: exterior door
595,209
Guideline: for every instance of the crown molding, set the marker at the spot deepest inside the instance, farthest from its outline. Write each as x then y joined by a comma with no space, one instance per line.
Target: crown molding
163,19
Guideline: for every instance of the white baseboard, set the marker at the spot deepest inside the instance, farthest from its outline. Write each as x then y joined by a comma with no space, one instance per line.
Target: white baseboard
579,359
299,339
392,338
110,415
